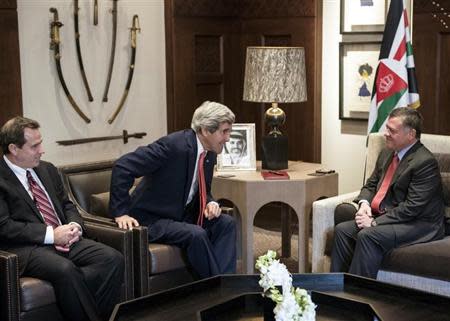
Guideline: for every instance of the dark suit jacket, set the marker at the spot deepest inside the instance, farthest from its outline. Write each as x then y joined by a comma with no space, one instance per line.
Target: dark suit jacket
167,167
21,225
414,200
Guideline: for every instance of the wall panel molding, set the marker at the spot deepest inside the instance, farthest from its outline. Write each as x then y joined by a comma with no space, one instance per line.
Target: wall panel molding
10,84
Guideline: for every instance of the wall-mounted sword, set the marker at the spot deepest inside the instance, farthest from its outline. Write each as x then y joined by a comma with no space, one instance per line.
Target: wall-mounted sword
54,45
78,46
125,136
133,31
113,50
95,12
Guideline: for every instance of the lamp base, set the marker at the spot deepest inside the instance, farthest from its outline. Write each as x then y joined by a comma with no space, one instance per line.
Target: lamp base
274,152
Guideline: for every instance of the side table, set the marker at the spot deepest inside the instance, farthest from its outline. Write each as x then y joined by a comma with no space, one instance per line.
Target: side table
249,192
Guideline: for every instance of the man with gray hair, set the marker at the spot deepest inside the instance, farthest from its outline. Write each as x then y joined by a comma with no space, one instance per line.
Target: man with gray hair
174,197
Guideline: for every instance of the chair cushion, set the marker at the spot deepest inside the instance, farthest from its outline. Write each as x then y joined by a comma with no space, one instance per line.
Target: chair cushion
443,161
84,184
411,259
164,258
99,204
35,293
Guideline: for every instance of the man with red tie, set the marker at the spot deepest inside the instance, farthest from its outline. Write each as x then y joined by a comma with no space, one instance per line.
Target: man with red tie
44,229
174,197
402,202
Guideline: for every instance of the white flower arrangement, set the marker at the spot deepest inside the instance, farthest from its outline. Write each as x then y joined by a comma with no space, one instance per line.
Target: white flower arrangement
294,304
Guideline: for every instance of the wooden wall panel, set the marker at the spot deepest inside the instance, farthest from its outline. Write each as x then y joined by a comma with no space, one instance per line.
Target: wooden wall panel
204,57
431,42
206,46
10,86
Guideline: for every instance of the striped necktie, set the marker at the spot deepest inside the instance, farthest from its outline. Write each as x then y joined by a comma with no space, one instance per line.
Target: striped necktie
201,188
45,208
42,202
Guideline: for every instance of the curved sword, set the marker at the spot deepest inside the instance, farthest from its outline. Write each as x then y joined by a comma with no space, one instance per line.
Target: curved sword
54,45
113,50
77,43
95,12
135,27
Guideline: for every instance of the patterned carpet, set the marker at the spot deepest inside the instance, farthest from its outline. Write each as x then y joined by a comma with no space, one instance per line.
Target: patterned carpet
265,240
267,236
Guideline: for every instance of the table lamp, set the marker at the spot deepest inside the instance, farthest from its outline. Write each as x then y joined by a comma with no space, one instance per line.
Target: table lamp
275,75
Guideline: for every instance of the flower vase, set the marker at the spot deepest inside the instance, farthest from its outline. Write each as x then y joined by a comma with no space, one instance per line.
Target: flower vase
269,306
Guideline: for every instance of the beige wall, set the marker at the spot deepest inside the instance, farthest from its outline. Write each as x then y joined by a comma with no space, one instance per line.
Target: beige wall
44,99
343,143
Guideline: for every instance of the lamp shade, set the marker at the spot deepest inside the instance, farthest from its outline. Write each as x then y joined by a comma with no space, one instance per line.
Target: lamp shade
275,75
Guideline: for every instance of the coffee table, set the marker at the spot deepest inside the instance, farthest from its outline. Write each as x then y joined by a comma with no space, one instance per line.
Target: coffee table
237,298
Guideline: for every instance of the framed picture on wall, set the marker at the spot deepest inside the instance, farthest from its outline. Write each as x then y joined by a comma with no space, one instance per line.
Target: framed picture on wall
357,68
239,153
363,16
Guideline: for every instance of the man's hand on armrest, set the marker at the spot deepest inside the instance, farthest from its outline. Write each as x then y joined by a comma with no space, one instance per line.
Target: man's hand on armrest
126,222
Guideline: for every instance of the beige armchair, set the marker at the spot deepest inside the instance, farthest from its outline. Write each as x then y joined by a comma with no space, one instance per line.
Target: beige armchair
395,268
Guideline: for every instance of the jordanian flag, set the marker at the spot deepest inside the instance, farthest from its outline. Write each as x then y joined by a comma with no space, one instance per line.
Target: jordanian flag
395,82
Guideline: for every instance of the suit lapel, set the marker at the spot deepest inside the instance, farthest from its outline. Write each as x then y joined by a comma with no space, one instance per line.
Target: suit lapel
409,156
12,179
191,143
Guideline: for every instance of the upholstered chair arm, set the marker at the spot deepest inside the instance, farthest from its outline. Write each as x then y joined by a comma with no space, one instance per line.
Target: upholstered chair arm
9,287
323,224
141,260
122,241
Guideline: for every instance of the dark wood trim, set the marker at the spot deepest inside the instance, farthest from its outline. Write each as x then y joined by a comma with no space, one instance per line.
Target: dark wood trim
10,81
168,19
317,118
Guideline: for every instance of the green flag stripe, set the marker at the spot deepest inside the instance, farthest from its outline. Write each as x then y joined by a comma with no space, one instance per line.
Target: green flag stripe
409,50
385,108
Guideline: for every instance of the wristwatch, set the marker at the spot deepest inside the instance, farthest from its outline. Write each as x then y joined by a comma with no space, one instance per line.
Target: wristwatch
373,223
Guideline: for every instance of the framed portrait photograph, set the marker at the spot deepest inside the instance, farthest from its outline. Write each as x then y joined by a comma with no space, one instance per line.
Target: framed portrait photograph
239,153
357,67
363,16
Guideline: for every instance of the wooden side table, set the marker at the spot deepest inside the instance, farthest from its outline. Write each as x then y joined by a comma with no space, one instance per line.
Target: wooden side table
248,191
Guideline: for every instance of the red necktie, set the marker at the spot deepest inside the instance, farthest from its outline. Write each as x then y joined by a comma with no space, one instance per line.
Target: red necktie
201,188
44,206
379,196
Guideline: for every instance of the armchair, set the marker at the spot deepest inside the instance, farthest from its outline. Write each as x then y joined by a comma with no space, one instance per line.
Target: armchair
156,266
407,266
31,299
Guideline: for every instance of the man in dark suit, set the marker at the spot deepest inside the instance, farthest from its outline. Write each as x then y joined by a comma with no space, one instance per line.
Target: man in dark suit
44,229
169,198
401,203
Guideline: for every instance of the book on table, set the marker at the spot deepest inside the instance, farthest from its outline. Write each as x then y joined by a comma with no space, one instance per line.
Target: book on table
274,175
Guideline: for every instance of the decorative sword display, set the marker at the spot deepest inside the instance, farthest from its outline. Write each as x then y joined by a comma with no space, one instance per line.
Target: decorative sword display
125,136
113,50
133,31
77,43
54,45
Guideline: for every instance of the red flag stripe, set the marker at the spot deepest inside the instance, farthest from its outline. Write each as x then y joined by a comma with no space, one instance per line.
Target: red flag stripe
401,50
